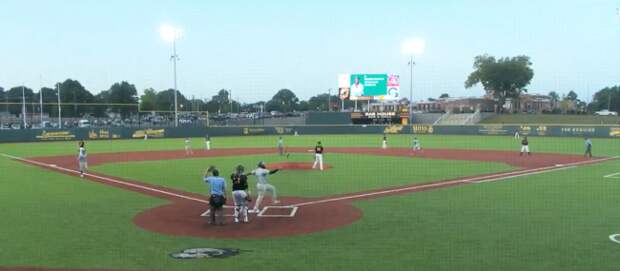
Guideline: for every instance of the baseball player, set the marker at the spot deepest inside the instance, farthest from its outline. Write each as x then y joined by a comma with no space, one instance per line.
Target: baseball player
83,164
280,146
517,135
188,147
263,186
217,195
384,143
208,142
416,144
318,156
240,194
588,145
525,146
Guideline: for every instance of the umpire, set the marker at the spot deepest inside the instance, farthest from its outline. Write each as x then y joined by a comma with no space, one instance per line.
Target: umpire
217,198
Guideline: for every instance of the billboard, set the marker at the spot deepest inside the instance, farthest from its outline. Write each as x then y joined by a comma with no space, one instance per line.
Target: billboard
369,86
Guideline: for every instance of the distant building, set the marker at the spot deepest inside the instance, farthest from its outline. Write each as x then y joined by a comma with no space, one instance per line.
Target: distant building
530,103
456,105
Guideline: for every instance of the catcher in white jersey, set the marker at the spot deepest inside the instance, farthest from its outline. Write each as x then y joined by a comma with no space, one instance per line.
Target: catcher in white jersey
262,186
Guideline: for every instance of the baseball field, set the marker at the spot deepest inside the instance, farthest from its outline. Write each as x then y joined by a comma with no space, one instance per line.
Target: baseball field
461,203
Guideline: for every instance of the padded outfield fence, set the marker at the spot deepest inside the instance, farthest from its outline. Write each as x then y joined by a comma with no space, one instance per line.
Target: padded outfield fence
34,135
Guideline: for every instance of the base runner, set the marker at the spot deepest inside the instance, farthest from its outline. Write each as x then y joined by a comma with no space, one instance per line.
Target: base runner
83,164
263,186
241,198
318,156
525,146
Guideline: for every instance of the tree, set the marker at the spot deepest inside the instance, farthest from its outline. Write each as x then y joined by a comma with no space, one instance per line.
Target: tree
284,101
125,96
221,103
444,96
503,78
571,96
14,95
72,92
555,97
165,100
148,100
607,98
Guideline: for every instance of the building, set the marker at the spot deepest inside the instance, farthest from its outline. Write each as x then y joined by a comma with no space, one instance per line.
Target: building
456,105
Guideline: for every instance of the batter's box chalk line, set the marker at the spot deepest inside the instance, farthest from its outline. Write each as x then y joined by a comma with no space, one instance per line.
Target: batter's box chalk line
292,212
208,211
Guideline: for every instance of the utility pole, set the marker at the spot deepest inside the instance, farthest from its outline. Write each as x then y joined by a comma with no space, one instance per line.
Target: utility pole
59,108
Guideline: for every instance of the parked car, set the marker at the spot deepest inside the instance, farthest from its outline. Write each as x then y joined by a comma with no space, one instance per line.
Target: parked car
84,123
606,112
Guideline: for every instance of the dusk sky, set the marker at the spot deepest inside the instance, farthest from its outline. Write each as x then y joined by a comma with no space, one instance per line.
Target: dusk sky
258,47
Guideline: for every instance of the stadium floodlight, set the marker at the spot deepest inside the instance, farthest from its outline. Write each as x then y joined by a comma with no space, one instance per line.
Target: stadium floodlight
171,34
412,47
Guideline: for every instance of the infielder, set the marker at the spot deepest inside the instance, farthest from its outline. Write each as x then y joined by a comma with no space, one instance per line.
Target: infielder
208,142
588,145
517,135
416,144
384,143
263,186
188,147
525,146
241,198
280,146
318,156
83,164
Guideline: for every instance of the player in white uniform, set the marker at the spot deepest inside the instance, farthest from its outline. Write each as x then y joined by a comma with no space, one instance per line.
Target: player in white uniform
83,164
384,143
188,147
263,186
318,156
208,142
416,144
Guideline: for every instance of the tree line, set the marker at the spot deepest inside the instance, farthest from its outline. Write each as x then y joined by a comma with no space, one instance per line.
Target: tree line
507,78
122,99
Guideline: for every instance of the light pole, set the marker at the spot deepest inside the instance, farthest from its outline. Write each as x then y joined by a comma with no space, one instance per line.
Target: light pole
412,47
59,108
329,100
172,34
24,105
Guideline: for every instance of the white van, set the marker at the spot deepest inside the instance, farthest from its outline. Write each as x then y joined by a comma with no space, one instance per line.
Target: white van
84,123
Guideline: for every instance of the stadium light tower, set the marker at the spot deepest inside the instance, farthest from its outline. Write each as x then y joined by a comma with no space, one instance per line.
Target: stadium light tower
171,34
412,47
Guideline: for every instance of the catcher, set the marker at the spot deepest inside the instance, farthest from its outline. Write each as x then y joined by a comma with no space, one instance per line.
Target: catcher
241,197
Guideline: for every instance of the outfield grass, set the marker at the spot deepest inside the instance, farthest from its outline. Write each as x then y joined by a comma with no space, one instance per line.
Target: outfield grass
564,145
554,221
552,119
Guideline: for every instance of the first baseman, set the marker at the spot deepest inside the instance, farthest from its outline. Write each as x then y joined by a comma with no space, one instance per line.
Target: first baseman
83,164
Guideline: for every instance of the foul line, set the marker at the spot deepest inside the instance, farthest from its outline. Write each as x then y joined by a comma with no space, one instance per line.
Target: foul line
475,180
105,178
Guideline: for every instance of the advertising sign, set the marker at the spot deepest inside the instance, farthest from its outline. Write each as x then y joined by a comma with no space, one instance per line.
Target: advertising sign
369,86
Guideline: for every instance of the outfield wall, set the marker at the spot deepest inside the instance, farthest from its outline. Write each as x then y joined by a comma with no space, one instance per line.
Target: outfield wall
135,133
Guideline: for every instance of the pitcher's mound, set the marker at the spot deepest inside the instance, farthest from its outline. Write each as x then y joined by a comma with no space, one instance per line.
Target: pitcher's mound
295,166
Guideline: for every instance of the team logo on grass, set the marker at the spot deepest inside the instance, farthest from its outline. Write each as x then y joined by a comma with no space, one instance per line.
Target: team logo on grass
198,253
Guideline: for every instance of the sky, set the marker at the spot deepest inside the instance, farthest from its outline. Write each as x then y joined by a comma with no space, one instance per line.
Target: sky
255,48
